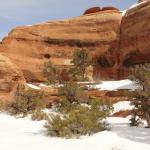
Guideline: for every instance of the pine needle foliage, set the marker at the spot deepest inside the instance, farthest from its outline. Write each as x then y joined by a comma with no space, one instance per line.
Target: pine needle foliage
27,102
141,97
79,121
77,118
52,73
80,63
39,115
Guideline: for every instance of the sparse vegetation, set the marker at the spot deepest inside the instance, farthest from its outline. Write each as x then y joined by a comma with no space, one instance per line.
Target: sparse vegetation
141,97
26,102
52,73
79,121
80,63
39,115
78,72
71,91
77,118
71,96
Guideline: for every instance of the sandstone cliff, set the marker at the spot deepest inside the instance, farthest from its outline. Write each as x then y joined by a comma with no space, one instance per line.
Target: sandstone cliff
30,46
114,42
10,77
135,37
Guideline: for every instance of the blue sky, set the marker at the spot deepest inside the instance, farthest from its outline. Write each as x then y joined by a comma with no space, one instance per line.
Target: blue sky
24,12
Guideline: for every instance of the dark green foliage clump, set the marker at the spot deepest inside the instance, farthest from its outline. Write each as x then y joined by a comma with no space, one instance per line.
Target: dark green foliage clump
52,73
71,91
27,102
71,96
141,97
79,121
141,75
77,118
80,63
39,115
141,110
78,71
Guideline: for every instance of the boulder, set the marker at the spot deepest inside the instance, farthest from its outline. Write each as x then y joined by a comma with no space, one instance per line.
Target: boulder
92,10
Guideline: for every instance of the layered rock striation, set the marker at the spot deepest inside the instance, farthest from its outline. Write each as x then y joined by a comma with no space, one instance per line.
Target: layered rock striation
10,79
116,43
135,37
30,46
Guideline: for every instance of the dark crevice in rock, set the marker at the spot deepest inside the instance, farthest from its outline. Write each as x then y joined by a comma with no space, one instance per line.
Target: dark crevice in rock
71,42
103,62
136,58
47,56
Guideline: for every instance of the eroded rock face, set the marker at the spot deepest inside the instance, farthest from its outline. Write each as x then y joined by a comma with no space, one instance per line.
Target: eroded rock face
135,37
10,77
30,46
114,42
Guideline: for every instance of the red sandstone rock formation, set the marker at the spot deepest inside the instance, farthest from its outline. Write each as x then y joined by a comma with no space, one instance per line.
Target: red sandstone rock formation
122,113
30,46
114,42
98,9
10,77
110,8
92,10
135,37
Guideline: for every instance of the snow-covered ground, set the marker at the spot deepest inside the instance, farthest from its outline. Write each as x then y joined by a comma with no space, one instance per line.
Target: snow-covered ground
115,85
33,86
24,134
124,12
104,85
122,105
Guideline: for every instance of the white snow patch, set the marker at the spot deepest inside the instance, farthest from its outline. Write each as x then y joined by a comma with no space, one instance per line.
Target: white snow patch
52,112
114,85
122,105
103,85
124,12
44,85
24,134
33,86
